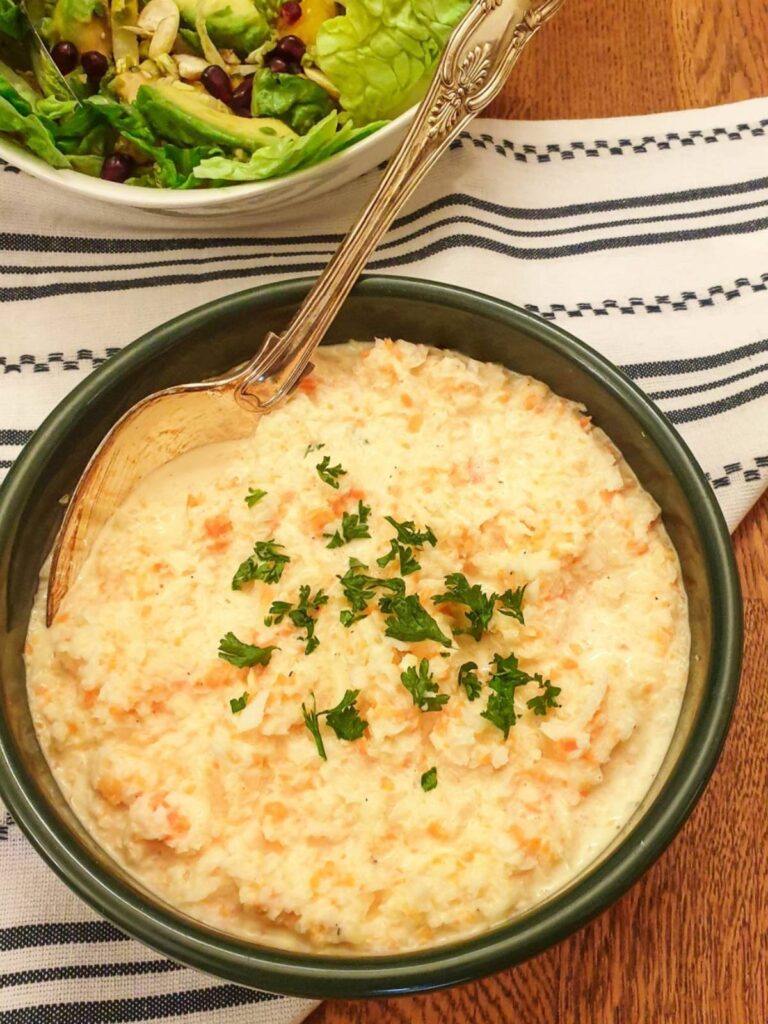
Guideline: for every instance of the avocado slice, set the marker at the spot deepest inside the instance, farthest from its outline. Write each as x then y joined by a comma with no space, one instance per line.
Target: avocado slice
82,22
191,117
237,24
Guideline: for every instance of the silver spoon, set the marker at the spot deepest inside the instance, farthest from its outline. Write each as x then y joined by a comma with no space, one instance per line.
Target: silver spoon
479,55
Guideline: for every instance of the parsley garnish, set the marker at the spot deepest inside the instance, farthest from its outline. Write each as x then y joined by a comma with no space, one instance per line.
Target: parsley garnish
344,719
266,564
408,534
238,703
312,722
401,546
299,615
313,448
408,563
469,679
512,603
254,496
328,473
360,589
429,780
243,655
480,606
420,684
540,704
506,677
408,620
354,526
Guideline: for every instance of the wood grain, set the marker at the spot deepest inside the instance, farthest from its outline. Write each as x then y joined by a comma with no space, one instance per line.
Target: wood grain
689,944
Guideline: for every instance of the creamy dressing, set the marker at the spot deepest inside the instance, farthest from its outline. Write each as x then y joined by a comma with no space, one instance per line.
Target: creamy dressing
234,818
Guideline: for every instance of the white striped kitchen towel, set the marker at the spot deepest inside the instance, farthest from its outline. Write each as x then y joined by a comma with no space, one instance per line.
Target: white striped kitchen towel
647,237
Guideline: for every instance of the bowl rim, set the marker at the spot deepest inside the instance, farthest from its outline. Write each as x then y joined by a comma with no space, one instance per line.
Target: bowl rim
168,200
319,975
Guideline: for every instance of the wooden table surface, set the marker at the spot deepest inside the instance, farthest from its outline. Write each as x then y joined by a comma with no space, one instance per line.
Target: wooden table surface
689,943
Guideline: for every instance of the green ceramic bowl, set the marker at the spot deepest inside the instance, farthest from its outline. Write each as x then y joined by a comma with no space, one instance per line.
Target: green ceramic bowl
204,343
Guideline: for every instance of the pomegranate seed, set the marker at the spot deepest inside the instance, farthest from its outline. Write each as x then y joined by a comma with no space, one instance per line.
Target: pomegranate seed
291,48
290,12
117,167
65,56
95,65
278,65
216,81
241,98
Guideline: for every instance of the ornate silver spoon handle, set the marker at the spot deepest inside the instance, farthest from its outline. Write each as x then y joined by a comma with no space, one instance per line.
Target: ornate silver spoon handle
479,56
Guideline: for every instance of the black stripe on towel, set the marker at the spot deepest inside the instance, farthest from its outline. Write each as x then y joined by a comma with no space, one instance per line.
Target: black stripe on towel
459,241
702,412
690,364
25,936
528,153
695,389
122,1011
10,436
550,312
16,242
74,971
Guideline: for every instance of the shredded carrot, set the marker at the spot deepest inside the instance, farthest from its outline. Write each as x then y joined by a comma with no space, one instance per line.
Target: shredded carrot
218,525
193,500
308,385
343,501
415,422
319,519
276,810
406,399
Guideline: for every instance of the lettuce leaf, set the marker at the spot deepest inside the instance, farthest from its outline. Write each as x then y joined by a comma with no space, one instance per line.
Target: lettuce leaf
11,23
288,154
173,165
32,132
291,98
380,54
18,119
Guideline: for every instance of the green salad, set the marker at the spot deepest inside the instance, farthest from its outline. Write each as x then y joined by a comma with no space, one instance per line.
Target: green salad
199,93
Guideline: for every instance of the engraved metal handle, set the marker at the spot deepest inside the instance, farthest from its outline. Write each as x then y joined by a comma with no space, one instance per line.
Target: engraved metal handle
477,59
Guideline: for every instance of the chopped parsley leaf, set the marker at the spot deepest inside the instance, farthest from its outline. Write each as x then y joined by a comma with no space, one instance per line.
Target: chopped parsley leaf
512,603
243,655
330,474
540,704
238,703
254,496
469,679
408,563
401,546
408,620
299,614
480,606
266,564
354,526
422,687
312,722
506,677
344,719
429,780
313,448
408,534
360,589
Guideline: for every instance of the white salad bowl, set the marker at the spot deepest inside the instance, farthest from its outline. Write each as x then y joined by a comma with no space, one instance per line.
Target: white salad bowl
254,197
